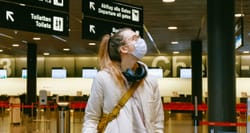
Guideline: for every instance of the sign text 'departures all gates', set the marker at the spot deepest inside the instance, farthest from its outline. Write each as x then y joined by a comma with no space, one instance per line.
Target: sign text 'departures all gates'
109,14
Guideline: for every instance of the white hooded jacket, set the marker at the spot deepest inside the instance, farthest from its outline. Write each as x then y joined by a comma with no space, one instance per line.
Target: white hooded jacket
143,113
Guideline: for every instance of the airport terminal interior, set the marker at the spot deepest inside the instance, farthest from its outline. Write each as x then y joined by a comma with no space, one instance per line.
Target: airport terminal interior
59,39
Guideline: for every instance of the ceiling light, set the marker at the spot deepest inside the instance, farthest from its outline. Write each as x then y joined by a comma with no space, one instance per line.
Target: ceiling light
46,53
168,1
15,45
21,4
7,36
92,43
59,38
174,42
66,49
172,28
36,38
24,41
238,15
1,50
176,52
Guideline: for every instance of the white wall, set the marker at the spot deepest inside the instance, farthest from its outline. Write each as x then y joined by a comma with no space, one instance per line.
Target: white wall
70,86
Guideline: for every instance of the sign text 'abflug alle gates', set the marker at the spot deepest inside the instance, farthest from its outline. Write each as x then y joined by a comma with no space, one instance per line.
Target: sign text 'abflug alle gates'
106,16
50,18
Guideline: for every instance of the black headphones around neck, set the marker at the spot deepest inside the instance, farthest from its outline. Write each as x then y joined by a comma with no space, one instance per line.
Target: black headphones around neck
139,73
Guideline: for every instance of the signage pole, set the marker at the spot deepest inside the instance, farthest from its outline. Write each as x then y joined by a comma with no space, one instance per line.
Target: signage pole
248,115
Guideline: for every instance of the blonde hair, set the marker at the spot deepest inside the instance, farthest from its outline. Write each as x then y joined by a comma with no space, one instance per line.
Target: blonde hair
109,55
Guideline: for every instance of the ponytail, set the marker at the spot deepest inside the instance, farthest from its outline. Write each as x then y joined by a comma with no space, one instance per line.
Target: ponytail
109,56
103,54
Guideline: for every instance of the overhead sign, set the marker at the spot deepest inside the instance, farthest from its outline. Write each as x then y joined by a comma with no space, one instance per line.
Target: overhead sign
110,14
61,5
33,19
113,10
95,29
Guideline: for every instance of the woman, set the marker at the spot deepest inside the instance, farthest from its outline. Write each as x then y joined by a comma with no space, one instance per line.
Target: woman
119,57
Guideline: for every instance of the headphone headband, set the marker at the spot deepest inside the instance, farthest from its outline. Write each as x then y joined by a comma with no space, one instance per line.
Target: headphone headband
139,73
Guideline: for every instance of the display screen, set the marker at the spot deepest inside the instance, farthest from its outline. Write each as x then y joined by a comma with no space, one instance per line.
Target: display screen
155,72
185,73
3,73
238,41
89,73
24,73
239,36
59,73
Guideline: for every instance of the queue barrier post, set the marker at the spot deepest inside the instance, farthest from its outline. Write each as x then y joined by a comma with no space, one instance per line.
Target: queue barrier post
63,121
15,110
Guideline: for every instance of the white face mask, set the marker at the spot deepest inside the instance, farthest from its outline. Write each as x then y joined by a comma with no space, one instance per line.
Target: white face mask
140,48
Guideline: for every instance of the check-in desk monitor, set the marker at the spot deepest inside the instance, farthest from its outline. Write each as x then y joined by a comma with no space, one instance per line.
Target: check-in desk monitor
155,72
24,73
58,73
186,73
3,73
89,72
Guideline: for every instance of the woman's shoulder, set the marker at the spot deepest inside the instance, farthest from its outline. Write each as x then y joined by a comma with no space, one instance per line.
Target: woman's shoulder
102,74
151,80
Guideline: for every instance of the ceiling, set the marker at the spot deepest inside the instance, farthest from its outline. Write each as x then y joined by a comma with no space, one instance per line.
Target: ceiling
188,15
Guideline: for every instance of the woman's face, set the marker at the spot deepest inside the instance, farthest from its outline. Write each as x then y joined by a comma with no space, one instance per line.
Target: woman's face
136,46
130,37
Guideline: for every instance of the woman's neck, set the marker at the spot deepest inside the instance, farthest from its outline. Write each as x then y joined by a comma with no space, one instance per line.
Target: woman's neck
129,63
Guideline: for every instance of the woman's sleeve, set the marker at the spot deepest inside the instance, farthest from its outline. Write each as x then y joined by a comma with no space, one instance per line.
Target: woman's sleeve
94,107
158,109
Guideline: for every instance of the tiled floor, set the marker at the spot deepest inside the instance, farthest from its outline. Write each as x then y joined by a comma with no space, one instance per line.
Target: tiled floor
46,122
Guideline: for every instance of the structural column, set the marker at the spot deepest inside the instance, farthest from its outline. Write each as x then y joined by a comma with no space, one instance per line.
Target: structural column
221,65
31,78
196,49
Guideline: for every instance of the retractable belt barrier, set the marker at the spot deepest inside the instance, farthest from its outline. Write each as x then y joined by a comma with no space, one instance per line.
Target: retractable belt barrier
183,106
178,106
224,124
73,105
187,106
4,104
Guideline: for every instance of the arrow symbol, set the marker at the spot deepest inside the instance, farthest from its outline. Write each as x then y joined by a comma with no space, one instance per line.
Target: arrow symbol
92,5
92,29
9,16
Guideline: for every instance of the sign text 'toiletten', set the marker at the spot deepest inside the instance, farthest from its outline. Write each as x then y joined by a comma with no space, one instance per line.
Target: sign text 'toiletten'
33,19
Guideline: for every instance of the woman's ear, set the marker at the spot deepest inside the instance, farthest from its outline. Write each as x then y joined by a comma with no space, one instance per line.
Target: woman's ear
124,49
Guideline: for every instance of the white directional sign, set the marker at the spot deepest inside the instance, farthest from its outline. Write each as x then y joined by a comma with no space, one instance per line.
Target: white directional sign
92,5
92,28
109,14
95,29
9,16
33,19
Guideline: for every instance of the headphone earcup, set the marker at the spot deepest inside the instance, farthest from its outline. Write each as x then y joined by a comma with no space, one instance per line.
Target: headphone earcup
130,76
139,74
